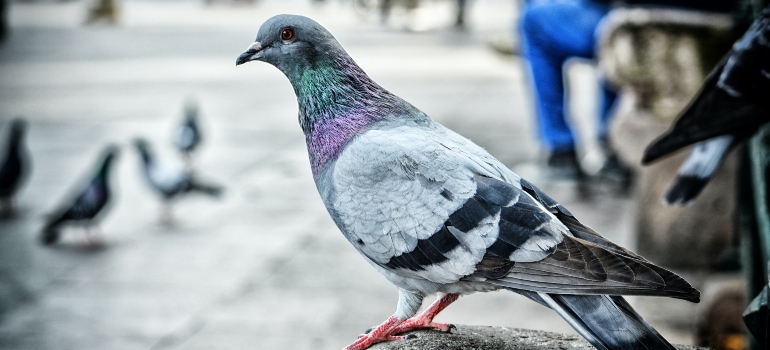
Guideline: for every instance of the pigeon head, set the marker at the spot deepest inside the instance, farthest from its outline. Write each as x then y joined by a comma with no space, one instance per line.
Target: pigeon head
143,147
191,109
18,128
326,80
337,100
292,44
110,152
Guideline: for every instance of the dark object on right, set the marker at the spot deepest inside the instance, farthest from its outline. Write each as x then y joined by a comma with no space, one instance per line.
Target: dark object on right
757,319
732,104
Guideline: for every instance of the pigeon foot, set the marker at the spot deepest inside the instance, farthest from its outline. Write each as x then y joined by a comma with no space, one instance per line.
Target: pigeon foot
418,323
387,330
425,319
379,334
93,241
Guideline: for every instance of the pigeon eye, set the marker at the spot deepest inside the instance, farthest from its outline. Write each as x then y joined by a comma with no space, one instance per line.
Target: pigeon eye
287,34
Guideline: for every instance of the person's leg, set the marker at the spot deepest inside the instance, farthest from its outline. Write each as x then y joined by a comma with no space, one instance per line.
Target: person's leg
608,97
613,170
553,32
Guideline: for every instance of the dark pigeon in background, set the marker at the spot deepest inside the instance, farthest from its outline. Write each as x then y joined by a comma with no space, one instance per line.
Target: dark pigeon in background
437,214
187,136
14,164
731,106
88,203
169,180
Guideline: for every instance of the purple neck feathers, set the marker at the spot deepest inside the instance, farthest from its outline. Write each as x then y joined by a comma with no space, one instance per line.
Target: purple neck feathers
338,101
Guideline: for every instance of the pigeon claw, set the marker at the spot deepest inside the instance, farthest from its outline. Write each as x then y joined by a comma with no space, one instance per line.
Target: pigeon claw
417,323
367,340
381,333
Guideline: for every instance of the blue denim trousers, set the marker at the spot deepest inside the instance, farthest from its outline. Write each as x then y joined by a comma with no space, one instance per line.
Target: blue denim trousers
554,31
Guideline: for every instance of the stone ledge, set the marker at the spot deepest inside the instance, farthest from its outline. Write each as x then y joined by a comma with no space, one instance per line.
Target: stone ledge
492,338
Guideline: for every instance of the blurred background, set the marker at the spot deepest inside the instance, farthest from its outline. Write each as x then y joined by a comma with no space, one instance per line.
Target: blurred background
261,264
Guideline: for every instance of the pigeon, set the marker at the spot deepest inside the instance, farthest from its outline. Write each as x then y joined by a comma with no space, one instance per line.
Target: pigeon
169,180
436,214
87,205
188,135
14,164
733,103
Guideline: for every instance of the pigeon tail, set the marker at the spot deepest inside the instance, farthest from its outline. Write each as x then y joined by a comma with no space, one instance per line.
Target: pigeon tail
697,170
607,322
684,189
208,189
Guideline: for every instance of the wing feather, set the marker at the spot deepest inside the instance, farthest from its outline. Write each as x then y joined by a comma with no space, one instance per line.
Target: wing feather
429,206
583,262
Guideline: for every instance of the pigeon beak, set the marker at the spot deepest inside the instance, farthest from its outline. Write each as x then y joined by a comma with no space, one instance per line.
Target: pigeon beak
251,54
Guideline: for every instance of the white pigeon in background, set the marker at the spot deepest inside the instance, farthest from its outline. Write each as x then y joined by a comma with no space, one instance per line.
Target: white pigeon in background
170,180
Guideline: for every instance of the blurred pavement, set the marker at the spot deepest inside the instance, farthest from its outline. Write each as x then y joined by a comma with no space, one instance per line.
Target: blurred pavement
264,267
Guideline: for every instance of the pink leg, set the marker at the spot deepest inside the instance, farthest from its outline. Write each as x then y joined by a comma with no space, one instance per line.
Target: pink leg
166,216
93,241
425,319
380,334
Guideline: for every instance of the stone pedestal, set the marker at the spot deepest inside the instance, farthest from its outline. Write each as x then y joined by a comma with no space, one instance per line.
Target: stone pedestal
492,338
658,58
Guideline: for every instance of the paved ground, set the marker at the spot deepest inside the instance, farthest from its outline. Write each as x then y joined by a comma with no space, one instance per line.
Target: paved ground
263,267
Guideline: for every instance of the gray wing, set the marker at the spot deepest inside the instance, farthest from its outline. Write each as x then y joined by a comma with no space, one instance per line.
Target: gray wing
584,262
410,200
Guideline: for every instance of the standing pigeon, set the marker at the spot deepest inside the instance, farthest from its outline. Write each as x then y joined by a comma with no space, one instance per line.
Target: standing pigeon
435,213
169,180
732,104
87,204
13,164
188,135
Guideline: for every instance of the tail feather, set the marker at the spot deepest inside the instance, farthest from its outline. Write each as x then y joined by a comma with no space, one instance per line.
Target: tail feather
607,322
698,169
208,189
684,189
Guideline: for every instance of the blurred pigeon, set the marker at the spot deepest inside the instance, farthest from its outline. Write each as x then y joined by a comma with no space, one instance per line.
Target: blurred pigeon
732,104
188,135
170,180
14,164
435,213
87,204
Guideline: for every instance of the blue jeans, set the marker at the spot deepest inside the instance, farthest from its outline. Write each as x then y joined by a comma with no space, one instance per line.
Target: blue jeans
553,32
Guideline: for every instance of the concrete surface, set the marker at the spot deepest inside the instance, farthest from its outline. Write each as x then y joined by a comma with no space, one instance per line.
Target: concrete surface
264,267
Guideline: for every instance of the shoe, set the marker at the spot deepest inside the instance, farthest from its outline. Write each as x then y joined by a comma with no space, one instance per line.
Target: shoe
563,166
615,175
615,170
